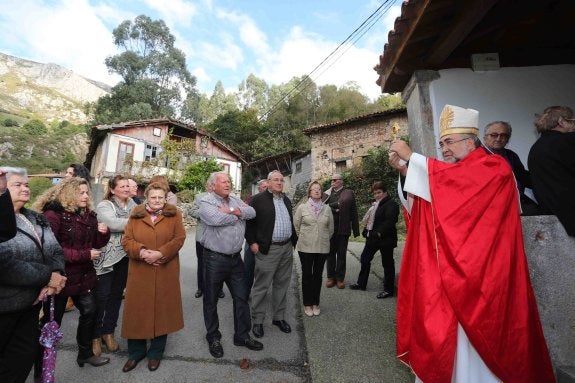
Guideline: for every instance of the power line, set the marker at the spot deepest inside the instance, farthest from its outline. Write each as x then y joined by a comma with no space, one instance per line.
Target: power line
335,55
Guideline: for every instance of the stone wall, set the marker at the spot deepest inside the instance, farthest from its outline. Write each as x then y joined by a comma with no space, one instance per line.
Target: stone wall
348,143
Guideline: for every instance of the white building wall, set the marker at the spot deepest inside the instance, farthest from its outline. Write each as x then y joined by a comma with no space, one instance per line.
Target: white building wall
508,94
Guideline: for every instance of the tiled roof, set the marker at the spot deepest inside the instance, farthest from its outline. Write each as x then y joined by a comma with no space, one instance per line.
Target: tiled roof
365,117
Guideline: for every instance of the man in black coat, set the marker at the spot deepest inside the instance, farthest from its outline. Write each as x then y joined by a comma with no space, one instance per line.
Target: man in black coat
552,164
345,219
271,236
381,234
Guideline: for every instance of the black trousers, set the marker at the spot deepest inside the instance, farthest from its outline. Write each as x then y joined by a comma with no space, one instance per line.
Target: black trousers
311,274
86,304
200,272
109,292
217,270
19,346
386,260
337,256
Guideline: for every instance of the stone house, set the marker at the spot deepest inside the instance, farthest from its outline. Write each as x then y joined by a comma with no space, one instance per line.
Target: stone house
338,146
134,148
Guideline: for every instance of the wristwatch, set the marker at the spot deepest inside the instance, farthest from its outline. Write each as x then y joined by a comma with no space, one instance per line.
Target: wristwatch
232,209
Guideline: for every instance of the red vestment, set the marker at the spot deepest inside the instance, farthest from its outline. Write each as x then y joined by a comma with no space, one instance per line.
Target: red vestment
464,261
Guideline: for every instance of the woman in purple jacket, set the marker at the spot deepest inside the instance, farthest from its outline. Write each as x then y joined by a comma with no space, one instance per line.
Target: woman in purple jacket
68,208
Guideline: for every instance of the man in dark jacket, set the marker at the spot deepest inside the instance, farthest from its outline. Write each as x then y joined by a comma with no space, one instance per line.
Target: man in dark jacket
344,209
271,236
381,234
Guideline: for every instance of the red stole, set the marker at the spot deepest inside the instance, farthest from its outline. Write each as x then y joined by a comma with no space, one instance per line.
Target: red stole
464,261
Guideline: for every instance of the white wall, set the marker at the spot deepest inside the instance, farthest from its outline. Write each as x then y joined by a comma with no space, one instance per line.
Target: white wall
508,94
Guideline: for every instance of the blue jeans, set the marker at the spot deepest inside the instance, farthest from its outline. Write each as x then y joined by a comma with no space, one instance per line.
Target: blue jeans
109,291
220,268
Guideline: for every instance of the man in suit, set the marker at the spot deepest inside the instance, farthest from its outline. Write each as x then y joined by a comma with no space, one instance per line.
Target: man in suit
381,234
271,236
344,209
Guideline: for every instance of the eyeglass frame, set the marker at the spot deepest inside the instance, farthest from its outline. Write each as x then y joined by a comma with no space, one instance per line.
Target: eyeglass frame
448,144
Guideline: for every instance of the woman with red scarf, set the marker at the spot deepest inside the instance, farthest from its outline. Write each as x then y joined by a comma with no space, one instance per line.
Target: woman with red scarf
153,306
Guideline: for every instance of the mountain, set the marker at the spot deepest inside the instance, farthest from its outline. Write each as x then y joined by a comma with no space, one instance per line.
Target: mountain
45,91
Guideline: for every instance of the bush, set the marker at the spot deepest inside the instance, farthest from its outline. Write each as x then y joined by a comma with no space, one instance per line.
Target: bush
196,175
9,122
35,127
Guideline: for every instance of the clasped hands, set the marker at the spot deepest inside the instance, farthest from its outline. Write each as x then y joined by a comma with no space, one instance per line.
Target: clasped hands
152,257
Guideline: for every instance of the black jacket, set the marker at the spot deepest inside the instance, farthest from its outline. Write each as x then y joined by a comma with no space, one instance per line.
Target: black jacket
384,232
7,217
260,229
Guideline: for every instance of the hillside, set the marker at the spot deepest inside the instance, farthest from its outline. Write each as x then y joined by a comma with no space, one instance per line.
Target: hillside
45,91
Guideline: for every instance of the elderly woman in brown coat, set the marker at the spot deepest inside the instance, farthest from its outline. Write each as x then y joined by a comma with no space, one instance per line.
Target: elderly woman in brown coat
153,306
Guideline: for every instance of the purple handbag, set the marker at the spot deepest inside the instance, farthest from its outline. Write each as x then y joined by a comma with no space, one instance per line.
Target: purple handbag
49,336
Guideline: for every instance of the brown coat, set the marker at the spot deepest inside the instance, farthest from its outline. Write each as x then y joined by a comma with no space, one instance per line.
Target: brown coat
153,304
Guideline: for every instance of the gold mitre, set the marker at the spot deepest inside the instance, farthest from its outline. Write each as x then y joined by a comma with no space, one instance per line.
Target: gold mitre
457,120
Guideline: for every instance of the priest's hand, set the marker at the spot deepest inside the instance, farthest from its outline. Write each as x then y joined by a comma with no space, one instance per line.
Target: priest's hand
397,163
401,149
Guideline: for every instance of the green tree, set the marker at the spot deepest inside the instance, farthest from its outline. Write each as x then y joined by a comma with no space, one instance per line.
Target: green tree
153,71
195,176
239,129
35,127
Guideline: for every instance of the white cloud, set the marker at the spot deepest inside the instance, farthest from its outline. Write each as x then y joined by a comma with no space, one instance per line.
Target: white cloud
174,11
253,37
224,54
67,33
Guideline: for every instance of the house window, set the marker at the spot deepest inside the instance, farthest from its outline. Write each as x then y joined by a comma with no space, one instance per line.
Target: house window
226,168
298,167
150,152
157,132
340,166
125,157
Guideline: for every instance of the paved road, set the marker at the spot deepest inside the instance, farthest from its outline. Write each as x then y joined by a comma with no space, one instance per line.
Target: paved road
353,340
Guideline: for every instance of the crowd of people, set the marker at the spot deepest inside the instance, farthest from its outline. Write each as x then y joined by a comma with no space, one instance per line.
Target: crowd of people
464,227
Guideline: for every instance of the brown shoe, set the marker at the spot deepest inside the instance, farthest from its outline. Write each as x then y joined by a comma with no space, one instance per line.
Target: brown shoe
330,283
130,365
110,342
69,305
340,285
153,364
97,347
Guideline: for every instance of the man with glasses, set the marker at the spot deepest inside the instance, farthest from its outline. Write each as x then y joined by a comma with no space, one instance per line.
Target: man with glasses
345,219
466,311
496,138
271,236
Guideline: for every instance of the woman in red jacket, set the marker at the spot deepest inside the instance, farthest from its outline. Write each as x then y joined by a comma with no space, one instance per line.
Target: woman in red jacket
68,208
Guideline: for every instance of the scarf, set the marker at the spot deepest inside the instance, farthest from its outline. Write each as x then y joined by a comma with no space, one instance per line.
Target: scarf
314,207
153,213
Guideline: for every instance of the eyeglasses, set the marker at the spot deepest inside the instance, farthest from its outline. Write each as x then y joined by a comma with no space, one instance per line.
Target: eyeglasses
450,142
497,135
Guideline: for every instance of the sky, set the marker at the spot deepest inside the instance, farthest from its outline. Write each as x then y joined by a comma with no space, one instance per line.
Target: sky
223,40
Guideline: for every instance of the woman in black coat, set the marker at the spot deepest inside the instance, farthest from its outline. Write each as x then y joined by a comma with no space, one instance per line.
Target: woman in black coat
381,234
